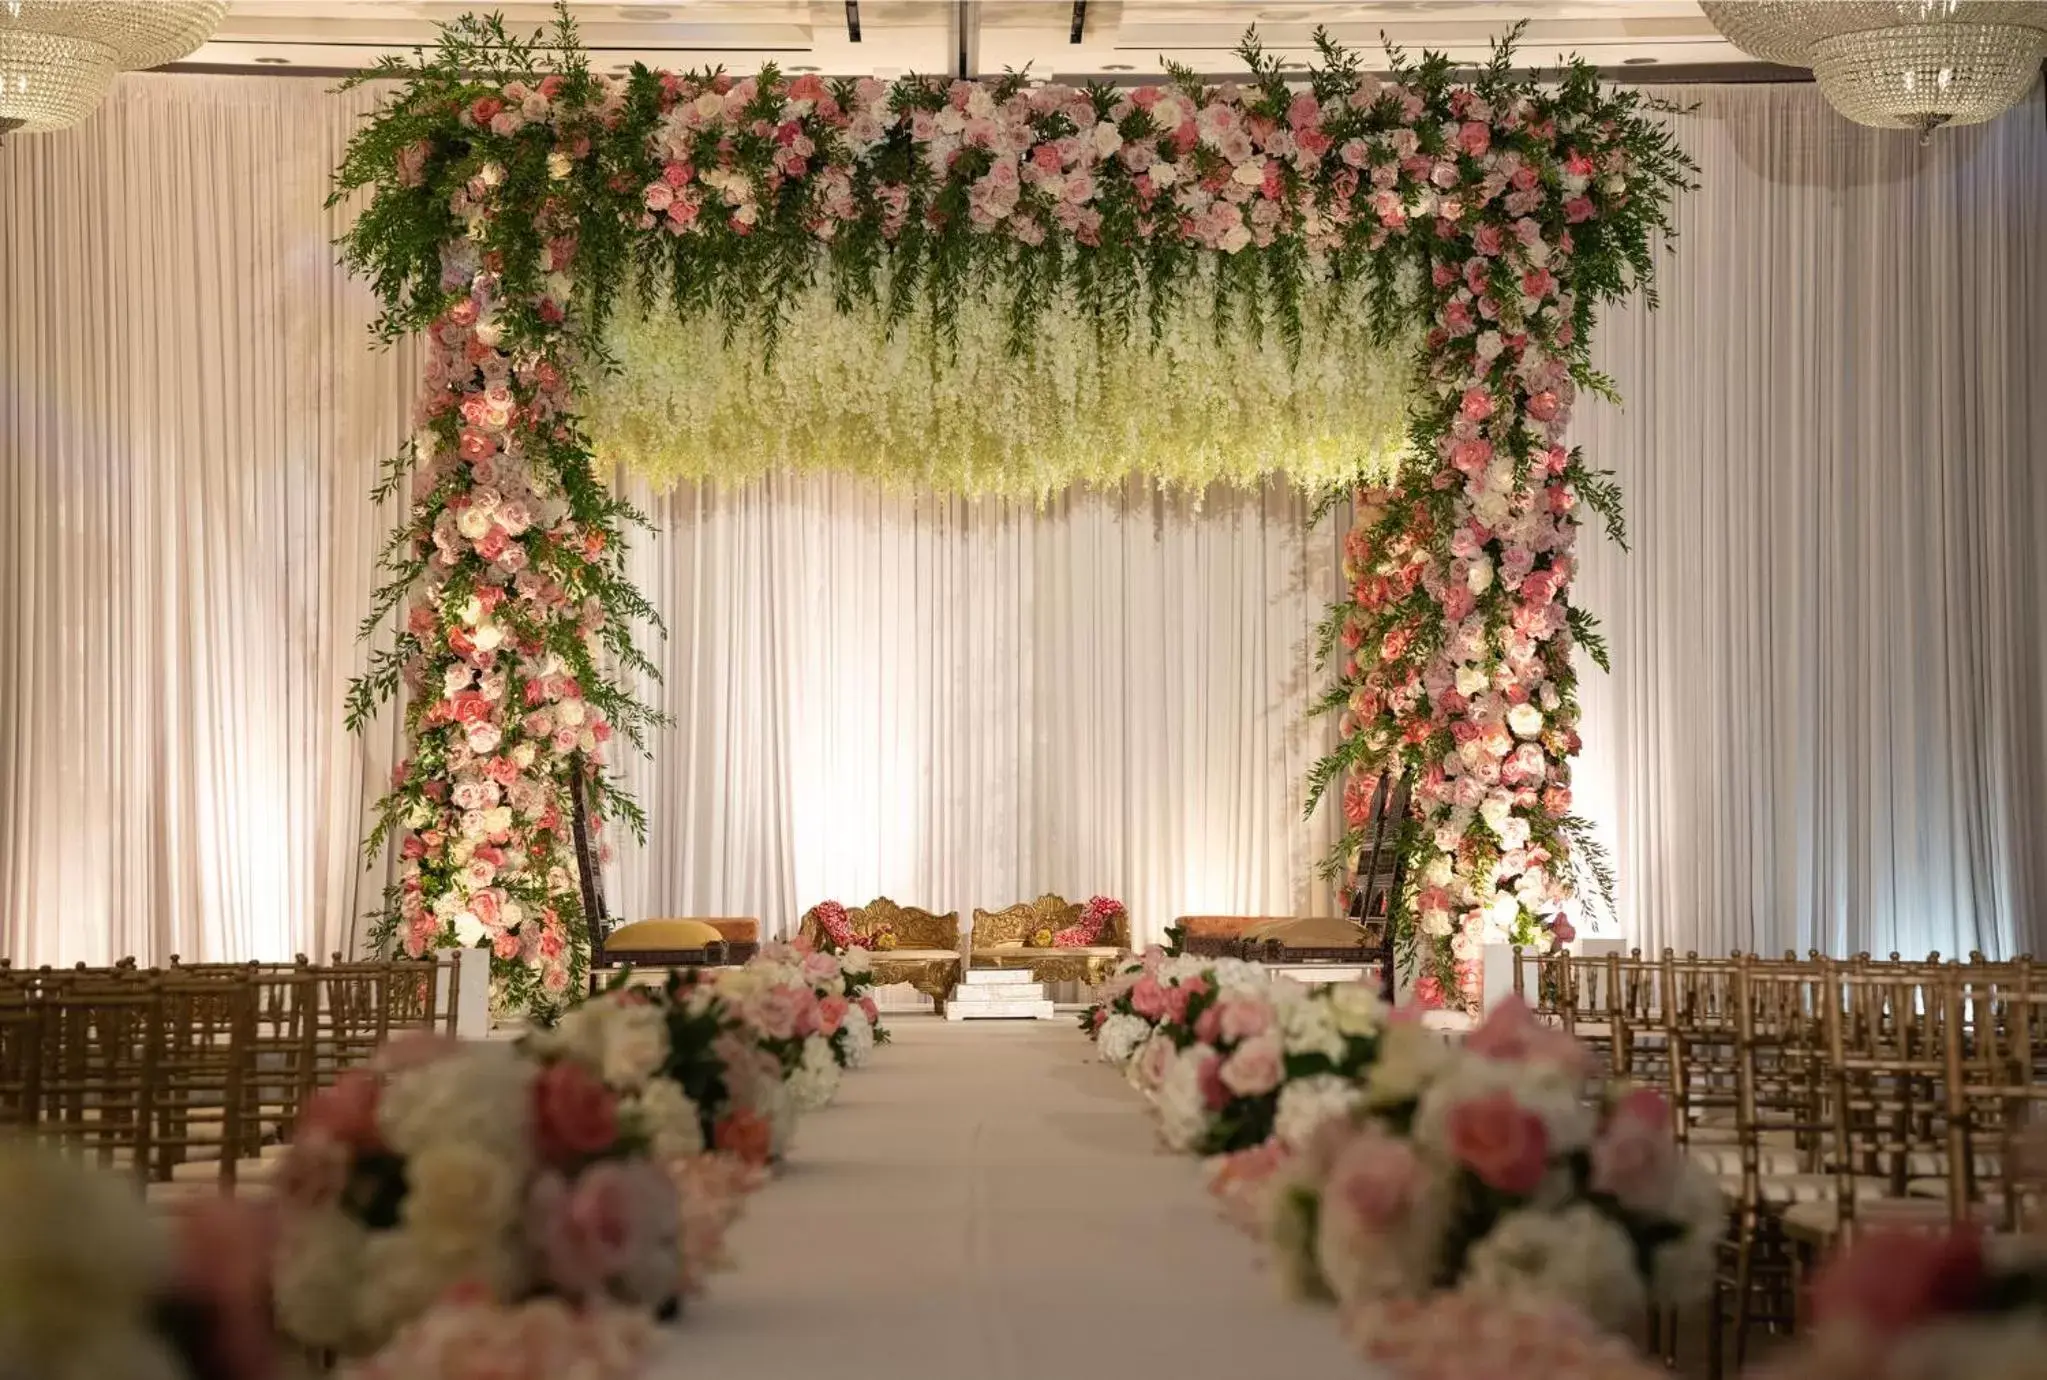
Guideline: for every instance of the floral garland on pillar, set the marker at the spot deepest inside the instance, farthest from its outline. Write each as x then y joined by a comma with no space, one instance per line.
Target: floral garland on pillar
515,195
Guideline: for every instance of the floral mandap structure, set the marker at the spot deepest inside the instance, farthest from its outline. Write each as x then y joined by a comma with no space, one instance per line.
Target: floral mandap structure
517,199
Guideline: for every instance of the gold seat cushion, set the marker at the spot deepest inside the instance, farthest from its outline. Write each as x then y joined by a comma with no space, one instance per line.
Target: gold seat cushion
884,955
645,936
1310,932
1013,950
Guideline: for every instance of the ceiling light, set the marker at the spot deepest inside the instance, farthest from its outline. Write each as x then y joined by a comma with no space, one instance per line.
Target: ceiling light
1909,64
58,57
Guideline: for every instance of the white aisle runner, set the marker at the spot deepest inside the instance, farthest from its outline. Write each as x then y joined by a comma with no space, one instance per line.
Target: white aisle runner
986,1202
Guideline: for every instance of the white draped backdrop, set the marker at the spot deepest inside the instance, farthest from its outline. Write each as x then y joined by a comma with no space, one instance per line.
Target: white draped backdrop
1824,727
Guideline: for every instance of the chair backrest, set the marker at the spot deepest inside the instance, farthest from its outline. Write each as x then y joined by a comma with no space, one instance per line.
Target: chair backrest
1996,1033
1016,924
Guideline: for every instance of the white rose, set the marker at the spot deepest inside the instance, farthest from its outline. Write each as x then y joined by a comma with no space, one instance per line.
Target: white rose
1250,172
672,1119
472,523
1525,720
468,929
856,961
497,819
488,636
1164,175
559,165
1496,811
1107,139
1479,578
570,712
635,1045
1471,679
1409,1058
522,756
1357,1008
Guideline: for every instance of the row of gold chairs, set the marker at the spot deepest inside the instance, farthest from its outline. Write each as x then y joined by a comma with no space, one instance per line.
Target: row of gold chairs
194,1073
1826,1094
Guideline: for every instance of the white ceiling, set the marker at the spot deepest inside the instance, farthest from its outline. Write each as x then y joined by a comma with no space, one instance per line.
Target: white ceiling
896,36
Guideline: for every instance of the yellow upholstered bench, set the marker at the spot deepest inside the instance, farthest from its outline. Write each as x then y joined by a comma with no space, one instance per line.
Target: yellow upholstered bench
926,952
678,942
1002,939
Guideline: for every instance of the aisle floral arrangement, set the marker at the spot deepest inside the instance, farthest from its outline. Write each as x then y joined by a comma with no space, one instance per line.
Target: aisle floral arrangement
519,1174
94,1285
1920,1306
516,197
1378,1161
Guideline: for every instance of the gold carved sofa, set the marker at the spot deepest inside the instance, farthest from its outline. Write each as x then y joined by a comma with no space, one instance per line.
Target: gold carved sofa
1002,939
927,946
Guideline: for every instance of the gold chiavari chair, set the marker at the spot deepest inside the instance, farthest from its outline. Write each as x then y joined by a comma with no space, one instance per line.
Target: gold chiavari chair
21,1044
100,1044
205,1075
1996,1040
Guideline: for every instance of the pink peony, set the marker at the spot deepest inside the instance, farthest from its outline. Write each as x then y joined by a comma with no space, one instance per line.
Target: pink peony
224,1247
1634,1157
1244,1016
1148,998
1501,1141
1890,1282
346,1112
831,1014
1255,1068
1373,1181
607,1232
574,1115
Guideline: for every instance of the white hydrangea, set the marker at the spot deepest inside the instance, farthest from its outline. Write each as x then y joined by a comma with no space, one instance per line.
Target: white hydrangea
856,961
1183,1111
1409,1058
815,1081
1306,1104
1309,1027
859,1038
480,1096
1120,1037
1577,1256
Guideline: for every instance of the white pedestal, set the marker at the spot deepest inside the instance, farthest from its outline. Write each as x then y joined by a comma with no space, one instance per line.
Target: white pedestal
999,994
471,993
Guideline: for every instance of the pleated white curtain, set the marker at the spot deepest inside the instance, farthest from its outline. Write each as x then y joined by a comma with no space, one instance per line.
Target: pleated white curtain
191,418
1824,726
964,704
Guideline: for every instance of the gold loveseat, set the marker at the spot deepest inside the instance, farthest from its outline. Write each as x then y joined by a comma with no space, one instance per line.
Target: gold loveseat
927,951
1001,939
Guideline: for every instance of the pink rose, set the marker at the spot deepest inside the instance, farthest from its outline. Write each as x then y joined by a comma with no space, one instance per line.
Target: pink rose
1579,209
1544,406
1153,1062
314,1171
867,1005
1373,1181
1215,1094
1208,1025
223,1252
574,1115
1501,1141
610,1233
1245,1017
346,1112
1148,998
1511,1033
1255,1068
831,1014
1634,1157
1475,138
1890,1282
820,970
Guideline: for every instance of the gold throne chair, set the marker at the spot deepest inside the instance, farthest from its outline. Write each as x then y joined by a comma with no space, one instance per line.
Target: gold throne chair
1001,939
927,951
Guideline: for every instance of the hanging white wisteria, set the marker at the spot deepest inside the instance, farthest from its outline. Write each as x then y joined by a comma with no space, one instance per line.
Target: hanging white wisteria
696,400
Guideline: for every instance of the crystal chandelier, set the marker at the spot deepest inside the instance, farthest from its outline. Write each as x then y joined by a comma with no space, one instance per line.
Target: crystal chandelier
1919,64
57,57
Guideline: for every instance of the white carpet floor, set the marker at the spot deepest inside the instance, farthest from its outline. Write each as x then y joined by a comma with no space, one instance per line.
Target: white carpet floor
987,1202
